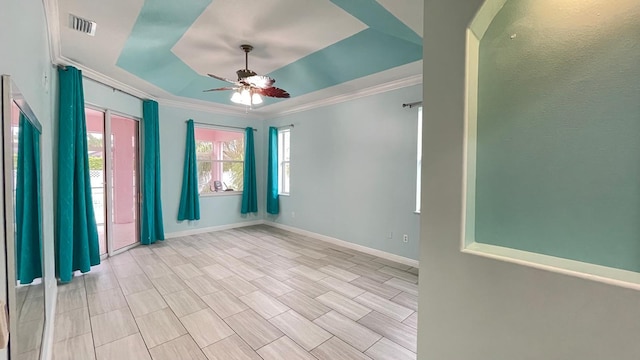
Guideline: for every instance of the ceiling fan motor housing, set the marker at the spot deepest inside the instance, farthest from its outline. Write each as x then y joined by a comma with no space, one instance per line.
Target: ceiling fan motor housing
245,73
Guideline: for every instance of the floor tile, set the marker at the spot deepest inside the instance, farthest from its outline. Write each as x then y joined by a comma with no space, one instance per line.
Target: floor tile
284,349
277,272
30,335
105,301
339,273
135,283
247,272
272,286
168,284
100,282
264,304
159,327
308,307
217,271
311,274
406,300
344,305
253,328
231,348
33,309
368,272
127,269
145,302
237,286
405,286
306,286
156,270
305,333
174,259
184,302
224,303
112,326
182,348
392,264
203,285
341,287
348,330
384,306
70,300
76,348
201,260
71,324
237,253
386,349
376,287
129,348
403,275
336,349
312,253
399,333
206,327
187,271
412,321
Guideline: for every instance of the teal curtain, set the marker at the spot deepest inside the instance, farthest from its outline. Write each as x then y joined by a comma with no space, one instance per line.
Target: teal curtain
273,201
189,198
249,193
28,209
77,235
152,227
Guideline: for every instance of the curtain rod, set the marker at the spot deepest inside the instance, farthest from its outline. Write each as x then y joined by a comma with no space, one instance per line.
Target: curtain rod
410,105
284,126
226,126
64,67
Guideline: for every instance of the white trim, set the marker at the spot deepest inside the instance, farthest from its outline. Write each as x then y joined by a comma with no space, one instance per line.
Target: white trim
220,193
46,349
599,273
209,107
373,90
349,245
177,234
53,27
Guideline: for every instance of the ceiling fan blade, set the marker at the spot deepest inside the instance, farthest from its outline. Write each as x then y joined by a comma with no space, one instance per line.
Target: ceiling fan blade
220,89
223,79
259,81
273,92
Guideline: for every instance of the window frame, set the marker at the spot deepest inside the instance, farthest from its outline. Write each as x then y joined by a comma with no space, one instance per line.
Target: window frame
282,163
215,161
419,164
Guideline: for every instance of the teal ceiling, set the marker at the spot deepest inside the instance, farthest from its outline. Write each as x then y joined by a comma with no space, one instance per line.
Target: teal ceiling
385,43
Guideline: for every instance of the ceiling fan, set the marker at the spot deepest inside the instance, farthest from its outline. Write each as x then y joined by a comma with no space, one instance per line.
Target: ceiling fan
250,86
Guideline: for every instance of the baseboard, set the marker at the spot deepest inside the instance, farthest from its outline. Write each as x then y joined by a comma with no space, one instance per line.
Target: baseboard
212,228
367,250
46,350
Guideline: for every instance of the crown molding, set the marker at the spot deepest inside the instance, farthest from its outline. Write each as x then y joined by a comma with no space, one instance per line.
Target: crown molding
53,27
210,108
372,90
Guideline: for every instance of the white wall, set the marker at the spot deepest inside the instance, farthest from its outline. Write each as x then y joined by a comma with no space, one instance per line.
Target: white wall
25,56
483,309
353,171
216,210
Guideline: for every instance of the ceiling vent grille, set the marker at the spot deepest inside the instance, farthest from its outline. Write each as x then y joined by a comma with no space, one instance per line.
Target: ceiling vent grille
83,25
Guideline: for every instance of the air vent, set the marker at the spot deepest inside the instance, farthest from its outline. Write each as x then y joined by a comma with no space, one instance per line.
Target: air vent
83,25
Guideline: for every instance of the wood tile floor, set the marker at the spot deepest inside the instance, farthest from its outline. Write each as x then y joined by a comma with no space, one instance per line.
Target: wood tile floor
249,293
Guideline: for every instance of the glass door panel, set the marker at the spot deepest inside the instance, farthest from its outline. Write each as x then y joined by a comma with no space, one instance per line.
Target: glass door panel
123,184
95,147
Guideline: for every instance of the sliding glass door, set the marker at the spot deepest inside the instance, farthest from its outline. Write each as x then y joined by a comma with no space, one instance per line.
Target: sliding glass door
114,178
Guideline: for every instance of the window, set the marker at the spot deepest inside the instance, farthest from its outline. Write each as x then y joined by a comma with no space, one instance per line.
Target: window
419,161
220,158
284,145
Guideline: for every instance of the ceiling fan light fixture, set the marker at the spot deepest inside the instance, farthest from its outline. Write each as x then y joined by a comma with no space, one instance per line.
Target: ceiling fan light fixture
256,99
236,97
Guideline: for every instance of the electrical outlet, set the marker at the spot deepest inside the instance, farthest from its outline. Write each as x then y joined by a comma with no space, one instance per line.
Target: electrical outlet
390,235
405,238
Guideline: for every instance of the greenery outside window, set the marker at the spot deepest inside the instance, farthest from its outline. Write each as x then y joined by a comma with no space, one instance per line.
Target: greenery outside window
220,159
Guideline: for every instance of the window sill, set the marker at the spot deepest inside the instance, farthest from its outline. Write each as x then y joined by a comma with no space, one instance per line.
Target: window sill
417,212
287,194
221,193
